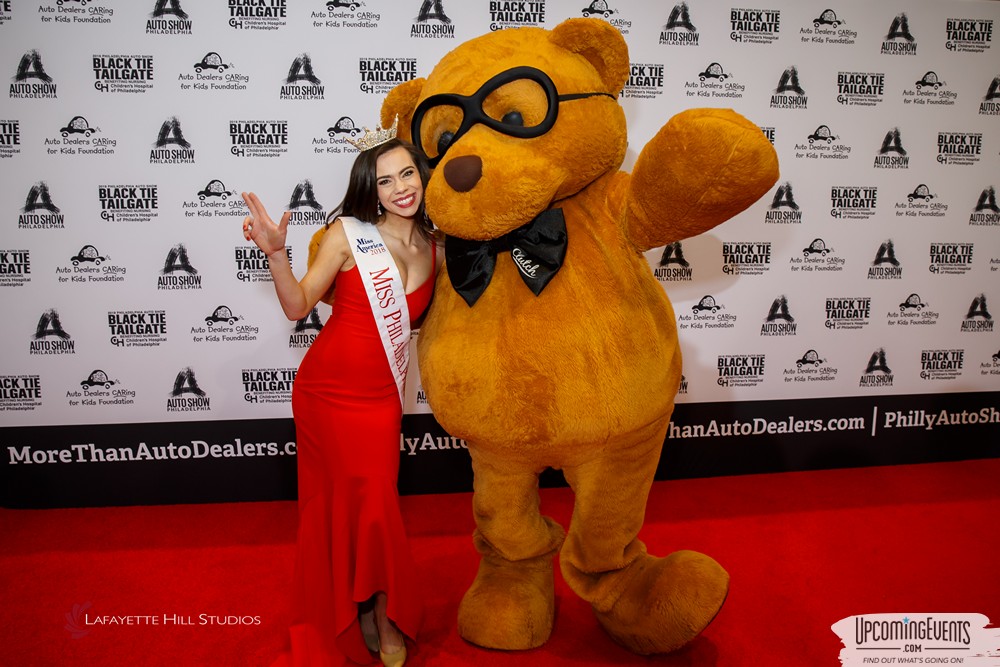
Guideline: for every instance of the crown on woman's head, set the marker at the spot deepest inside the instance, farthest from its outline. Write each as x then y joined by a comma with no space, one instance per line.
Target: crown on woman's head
371,139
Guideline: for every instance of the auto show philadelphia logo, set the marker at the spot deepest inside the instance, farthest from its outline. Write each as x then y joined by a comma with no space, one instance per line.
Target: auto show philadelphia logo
672,265
877,373
899,41
186,395
789,93
432,22
990,106
783,209
170,146
978,318
177,272
168,18
301,82
892,154
918,638
986,211
31,81
679,30
39,210
885,266
50,338
305,331
779,320
303,209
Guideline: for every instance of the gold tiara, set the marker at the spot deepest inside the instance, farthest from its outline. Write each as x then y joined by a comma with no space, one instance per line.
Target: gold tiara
371,139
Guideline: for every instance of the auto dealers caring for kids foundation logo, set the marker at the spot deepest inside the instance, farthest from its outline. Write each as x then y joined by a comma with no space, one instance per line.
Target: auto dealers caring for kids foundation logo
921,639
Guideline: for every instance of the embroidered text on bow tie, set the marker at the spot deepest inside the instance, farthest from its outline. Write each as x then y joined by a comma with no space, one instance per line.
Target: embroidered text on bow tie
538,249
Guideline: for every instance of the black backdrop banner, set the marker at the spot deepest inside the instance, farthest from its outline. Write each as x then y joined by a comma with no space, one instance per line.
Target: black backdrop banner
254,460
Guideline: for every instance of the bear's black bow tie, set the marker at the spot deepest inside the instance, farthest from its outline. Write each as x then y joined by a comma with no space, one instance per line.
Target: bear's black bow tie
538,249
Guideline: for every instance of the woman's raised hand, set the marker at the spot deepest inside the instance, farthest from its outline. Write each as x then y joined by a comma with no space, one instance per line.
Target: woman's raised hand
259,228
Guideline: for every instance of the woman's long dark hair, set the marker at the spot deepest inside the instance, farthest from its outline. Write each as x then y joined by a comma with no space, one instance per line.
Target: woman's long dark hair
361,200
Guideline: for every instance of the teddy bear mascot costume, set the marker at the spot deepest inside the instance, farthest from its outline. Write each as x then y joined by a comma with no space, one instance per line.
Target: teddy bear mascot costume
549,342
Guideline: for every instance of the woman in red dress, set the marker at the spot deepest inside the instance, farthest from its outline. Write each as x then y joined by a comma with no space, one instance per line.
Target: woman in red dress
355,587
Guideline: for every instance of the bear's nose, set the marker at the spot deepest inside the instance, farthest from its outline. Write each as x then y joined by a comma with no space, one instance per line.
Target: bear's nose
463,172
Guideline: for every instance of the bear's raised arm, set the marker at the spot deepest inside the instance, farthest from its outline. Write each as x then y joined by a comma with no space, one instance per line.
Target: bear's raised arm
702,168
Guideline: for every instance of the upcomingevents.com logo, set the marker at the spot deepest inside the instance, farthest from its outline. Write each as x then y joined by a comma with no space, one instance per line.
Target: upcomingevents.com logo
965,639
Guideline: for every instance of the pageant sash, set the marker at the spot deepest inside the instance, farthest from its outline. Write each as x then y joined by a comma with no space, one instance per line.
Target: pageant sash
386,294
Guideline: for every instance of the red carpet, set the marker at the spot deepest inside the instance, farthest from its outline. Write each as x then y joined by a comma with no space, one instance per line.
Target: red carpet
804,550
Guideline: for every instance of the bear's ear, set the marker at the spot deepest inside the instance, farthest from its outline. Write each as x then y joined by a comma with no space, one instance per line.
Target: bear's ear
601,44
402,100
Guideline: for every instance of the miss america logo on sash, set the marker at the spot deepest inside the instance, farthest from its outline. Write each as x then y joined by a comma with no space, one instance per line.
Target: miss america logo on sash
386,294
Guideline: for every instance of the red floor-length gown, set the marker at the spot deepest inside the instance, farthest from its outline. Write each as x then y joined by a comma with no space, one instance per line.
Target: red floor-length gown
352,542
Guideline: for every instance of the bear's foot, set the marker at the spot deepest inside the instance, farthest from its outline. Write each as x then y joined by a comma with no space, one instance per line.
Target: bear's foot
510,605
667,602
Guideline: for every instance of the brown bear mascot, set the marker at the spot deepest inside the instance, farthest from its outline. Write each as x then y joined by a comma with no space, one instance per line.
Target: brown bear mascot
549,342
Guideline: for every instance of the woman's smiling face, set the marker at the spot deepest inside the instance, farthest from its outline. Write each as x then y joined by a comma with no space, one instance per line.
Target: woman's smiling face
399,188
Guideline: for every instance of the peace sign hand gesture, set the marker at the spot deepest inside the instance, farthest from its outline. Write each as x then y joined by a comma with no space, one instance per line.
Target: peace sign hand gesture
259,228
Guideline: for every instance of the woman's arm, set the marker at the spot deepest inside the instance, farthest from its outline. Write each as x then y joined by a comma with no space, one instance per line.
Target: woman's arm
297,298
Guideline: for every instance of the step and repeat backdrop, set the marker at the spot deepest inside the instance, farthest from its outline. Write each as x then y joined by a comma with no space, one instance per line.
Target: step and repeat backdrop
844,319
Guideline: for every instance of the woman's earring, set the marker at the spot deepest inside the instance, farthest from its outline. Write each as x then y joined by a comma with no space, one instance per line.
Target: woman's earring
379,208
